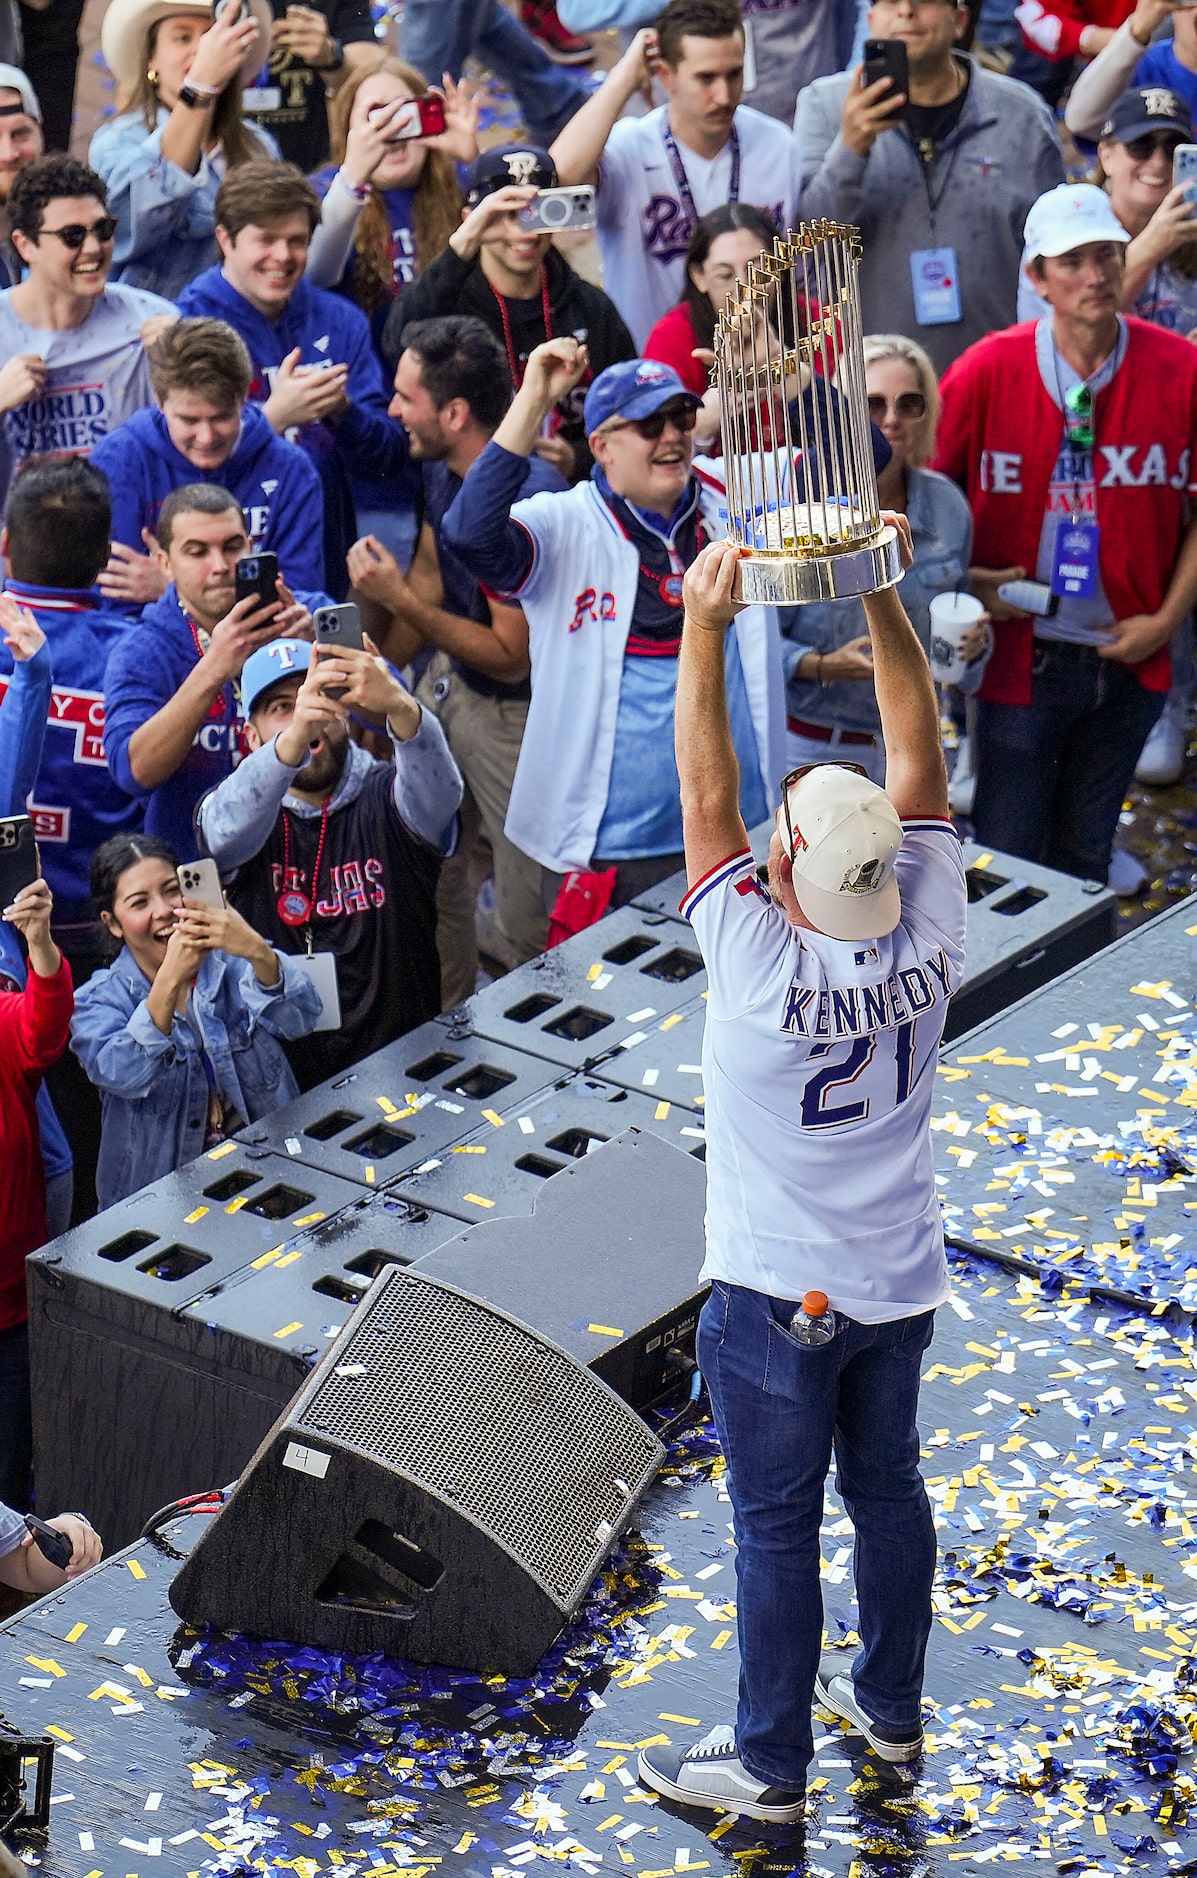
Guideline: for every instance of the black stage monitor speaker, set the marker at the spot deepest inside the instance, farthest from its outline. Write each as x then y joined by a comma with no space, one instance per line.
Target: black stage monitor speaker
444,1489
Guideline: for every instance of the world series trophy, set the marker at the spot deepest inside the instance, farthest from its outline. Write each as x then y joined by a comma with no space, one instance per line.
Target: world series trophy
797,444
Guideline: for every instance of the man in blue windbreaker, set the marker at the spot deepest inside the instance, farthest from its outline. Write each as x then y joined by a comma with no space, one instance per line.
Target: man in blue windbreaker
205,432
316,374
55,542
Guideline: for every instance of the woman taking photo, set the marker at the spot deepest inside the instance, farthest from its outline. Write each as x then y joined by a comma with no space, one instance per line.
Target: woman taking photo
180,72
390,202
181,1034
831,707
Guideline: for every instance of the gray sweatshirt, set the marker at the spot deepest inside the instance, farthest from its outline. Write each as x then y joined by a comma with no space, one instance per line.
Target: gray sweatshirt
1003,153
237,817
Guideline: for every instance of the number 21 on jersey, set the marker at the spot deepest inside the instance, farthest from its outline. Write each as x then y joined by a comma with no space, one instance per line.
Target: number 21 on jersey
823,1099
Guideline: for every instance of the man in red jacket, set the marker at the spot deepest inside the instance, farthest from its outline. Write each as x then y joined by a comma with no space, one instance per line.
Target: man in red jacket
1072,437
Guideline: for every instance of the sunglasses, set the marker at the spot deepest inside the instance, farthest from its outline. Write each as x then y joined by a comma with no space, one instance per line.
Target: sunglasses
796,775
650,428
909,404
1078,415
75,234
1141,148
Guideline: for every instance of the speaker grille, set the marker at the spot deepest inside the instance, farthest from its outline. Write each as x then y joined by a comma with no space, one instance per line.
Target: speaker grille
478,1409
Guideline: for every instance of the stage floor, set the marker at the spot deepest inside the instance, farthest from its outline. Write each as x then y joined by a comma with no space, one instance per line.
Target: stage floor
1058,1437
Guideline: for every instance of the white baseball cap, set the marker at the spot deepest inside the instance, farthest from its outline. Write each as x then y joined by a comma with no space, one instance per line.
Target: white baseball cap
846,839
1068,217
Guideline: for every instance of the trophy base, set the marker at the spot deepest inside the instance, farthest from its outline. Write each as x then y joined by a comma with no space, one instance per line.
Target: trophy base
787,580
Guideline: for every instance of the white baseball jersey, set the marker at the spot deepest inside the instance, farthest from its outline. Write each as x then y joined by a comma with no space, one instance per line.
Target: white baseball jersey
818,1063
644,221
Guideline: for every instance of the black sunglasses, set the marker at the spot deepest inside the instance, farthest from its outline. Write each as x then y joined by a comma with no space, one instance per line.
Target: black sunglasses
1141,148
796,775
75,234
683,418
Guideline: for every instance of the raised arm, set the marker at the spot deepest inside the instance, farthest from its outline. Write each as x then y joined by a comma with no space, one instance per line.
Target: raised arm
916,779
577,150
712,826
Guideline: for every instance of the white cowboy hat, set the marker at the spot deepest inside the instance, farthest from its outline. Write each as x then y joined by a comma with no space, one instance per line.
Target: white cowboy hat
127,23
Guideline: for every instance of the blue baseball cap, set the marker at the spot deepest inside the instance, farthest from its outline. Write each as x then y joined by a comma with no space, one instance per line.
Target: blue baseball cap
636,388
505,164
263,668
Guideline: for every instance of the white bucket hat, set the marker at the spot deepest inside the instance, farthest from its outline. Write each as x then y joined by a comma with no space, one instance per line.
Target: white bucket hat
846,839
126,25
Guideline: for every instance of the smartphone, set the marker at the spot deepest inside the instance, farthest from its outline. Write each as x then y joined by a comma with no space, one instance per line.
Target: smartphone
555,211
18,856
53,1544
1184,169
421,117
200,881
257,578
886,58
338,627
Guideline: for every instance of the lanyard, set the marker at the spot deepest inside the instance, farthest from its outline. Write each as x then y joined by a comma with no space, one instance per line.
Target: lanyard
293,906
1072,448
683,181
517,376
669,585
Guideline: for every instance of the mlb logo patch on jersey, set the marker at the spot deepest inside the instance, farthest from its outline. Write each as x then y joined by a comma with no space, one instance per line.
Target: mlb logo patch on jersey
867,957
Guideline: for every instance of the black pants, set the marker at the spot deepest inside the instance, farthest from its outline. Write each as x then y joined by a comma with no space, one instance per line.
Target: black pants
76,1101
51,59
16,1425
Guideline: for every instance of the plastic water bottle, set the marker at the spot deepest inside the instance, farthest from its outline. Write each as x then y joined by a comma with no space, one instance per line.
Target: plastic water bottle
814,1322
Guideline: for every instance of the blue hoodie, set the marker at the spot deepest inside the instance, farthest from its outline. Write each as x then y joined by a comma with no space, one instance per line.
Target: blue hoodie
366,444
76,804
145,670
273,481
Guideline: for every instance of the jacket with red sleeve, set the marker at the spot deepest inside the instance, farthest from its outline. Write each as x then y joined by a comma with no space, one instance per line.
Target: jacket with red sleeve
1053,28
34,1027
999,438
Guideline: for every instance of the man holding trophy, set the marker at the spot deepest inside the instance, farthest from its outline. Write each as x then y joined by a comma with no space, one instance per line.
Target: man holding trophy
827,998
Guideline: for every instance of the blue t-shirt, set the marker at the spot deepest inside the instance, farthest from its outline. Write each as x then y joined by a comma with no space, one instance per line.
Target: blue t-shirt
1160,66
643,815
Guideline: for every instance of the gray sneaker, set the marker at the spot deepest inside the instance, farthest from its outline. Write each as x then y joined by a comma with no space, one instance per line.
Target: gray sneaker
711,1773
835,1693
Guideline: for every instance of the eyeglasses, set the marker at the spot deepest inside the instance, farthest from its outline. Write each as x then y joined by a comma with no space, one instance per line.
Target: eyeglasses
796,775
75,234
1141,148
1078,415
908,404
683,418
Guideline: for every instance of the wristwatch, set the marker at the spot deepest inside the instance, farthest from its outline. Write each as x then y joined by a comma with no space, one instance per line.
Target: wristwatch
337,60
194,100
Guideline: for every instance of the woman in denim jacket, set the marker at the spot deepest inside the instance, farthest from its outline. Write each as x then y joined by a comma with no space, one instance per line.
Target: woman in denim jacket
181,1033
831,707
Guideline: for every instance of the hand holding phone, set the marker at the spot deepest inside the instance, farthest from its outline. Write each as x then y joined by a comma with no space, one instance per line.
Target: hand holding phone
411,117
18,857
863,117
200,882
53,1544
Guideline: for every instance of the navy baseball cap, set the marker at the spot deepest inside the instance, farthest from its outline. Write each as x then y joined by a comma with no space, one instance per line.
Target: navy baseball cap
509,163
282,658
636,388
1149,107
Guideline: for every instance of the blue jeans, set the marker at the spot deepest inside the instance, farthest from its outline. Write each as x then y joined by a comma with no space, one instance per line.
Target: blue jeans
781,1410
438,36
1052,774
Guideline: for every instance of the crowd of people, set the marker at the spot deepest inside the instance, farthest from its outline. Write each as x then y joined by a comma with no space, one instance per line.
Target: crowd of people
289,316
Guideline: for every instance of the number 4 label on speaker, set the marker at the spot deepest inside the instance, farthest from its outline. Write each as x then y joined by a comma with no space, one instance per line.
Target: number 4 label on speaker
306,1460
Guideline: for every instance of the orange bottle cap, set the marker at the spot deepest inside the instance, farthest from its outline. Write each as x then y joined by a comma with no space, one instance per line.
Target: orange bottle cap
814,1303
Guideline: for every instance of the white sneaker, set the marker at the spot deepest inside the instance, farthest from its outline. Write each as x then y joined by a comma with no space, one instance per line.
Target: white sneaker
1162,757
1127,875
711,1773
963,785
836,1694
